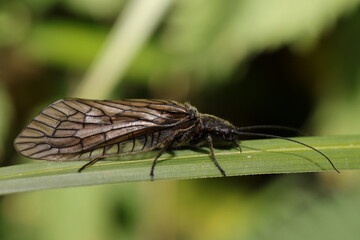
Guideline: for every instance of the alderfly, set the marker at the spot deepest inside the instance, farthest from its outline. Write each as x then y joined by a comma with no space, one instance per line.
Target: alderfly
81,129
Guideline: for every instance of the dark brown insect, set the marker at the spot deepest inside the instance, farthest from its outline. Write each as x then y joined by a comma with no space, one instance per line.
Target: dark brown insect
79,129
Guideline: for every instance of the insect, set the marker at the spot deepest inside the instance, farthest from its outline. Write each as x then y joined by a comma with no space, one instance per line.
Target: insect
82,129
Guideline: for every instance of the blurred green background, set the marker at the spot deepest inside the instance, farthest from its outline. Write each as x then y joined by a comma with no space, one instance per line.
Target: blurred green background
293,63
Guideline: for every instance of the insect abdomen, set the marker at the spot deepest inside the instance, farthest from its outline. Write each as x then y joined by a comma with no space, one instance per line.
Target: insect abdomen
71,148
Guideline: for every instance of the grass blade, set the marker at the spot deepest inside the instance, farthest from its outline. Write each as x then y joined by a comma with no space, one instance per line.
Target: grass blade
258,157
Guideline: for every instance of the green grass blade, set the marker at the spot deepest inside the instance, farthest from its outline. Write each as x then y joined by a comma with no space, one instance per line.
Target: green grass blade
257,157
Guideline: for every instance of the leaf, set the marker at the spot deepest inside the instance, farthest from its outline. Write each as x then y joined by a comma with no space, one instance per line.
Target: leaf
258,157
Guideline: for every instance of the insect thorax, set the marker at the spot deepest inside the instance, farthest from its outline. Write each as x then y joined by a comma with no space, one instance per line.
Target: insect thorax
217,127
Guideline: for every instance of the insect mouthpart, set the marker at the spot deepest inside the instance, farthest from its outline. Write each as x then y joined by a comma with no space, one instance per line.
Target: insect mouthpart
83,129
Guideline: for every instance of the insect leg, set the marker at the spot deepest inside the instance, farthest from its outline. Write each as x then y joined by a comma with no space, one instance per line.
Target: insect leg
211,146
237,145
90,163
167,144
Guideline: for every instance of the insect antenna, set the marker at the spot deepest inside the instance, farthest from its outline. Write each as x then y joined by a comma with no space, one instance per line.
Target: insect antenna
272,127
287,139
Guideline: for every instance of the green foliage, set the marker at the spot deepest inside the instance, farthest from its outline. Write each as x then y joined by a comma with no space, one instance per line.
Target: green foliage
65,43
209,39
288,209
258,157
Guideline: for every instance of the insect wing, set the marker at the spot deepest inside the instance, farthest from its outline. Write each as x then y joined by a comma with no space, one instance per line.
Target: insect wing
72,129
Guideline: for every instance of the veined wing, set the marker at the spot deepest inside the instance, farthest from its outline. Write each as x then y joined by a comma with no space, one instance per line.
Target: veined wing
72,129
